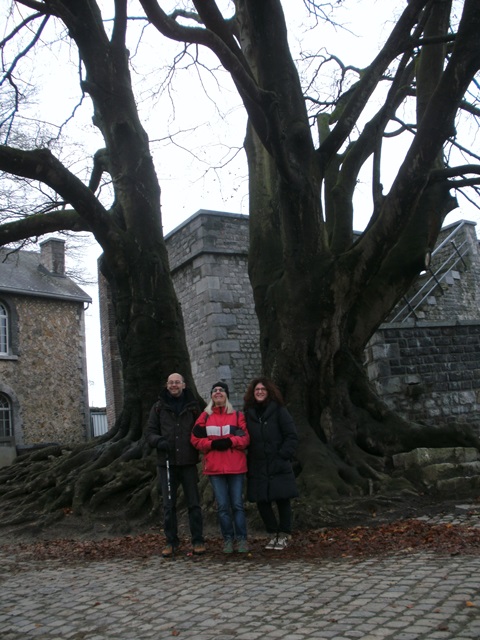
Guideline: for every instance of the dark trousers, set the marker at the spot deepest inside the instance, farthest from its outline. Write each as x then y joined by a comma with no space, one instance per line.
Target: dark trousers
273,525
187,477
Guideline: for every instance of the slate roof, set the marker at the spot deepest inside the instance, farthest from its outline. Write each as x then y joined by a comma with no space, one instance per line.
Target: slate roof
21,273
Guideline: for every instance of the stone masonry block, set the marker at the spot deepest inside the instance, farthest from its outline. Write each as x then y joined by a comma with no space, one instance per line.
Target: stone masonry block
213,333
224,372
206,284
379,351
393,385
423,457
225,345
435,472
222,320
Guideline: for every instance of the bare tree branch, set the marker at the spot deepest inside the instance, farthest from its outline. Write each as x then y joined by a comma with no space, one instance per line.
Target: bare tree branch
120,22
229,54
41,7
8,73
470,108
399,41
26,21
40,224
466,182
449,172
40,164
468,197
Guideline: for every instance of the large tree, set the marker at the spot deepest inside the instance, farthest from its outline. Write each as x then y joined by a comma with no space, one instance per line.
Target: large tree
148,317
320,293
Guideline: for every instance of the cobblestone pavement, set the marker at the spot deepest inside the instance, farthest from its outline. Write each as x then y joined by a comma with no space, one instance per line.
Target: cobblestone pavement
405,596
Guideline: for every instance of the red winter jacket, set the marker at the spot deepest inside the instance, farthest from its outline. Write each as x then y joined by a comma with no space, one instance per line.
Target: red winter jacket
221,425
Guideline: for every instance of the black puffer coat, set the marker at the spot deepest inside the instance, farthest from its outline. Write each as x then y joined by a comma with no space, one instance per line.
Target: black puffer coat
273,440
164,425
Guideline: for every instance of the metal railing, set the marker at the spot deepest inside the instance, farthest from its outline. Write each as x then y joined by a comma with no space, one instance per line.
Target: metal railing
437,276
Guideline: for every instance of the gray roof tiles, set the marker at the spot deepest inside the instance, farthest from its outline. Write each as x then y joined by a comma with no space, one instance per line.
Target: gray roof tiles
21,273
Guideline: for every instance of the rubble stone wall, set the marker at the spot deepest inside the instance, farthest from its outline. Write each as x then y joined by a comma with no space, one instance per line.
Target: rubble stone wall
45,377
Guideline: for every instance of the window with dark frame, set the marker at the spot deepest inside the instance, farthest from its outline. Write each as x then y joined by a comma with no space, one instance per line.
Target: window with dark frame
4,337
5,417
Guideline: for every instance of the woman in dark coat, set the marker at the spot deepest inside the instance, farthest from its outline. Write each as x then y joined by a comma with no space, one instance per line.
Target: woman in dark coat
270,477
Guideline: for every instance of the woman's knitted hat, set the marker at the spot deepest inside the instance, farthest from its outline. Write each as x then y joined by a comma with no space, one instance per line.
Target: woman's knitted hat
224,386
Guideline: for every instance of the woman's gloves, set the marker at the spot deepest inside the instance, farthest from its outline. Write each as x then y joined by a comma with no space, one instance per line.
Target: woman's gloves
221,444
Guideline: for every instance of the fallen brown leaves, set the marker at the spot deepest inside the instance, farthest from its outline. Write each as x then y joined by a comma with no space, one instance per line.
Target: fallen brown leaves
407,535
356,542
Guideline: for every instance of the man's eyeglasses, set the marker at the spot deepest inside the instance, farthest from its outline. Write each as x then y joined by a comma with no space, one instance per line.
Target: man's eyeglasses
172,383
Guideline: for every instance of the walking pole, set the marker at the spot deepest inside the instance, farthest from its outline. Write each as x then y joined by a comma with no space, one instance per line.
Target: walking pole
169,483
169,491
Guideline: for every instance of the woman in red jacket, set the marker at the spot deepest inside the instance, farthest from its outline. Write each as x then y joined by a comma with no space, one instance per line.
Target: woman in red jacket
220,433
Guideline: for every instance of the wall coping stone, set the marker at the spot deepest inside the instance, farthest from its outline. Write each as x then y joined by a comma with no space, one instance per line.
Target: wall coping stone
423,323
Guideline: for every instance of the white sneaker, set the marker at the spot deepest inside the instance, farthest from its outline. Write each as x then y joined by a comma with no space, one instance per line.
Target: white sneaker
282,542
272,543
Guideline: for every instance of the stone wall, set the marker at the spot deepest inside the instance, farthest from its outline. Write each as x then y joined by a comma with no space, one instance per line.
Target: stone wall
208,260
45,375
427,368
428,372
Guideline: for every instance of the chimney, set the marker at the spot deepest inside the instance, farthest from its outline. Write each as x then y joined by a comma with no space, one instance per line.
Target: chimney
52,256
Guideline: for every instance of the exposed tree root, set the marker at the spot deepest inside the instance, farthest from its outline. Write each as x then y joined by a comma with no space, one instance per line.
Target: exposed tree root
79,480
113,481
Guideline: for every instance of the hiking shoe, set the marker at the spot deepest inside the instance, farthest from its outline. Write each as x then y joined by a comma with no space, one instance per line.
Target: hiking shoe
242,546
228,546
282,542
168,550
272,543
199,549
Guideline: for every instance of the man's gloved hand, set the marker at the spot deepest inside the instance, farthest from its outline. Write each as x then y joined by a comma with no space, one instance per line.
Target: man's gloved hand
163,445
222,444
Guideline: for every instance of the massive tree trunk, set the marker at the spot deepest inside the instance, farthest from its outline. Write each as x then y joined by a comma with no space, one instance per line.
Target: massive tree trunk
148,317
319,294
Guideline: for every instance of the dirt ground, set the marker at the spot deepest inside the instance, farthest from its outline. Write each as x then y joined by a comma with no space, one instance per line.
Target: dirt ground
352,528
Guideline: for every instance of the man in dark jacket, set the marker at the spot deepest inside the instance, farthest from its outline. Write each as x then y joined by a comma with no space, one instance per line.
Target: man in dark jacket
168,431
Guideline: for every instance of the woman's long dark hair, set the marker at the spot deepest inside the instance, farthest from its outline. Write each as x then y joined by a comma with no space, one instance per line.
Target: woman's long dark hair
272,390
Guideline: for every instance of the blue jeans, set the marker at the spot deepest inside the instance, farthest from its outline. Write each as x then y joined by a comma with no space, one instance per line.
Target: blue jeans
228,490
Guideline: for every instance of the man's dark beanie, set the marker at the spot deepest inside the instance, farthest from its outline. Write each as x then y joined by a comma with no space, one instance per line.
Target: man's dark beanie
224,386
